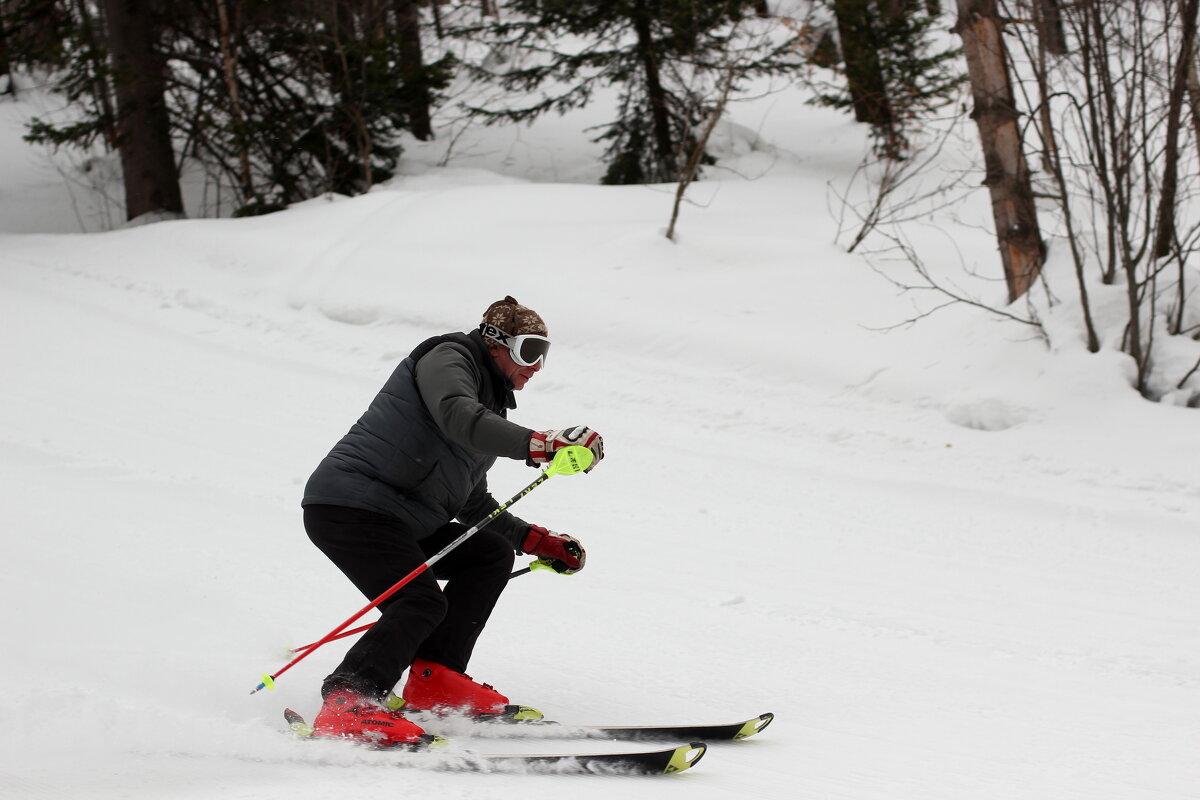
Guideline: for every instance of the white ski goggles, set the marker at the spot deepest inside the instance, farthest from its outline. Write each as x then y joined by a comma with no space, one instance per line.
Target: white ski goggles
528,349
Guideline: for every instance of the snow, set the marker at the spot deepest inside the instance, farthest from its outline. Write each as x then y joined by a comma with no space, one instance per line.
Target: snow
954,561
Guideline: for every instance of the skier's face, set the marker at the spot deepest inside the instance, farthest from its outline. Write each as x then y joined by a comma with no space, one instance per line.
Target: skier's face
516,373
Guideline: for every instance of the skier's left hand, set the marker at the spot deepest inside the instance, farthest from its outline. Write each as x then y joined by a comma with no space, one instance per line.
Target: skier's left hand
544,444
565,553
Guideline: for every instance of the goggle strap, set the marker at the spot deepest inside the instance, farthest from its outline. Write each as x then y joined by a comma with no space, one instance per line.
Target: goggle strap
490,331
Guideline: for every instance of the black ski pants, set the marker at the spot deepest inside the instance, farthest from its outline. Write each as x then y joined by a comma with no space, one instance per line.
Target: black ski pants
421,620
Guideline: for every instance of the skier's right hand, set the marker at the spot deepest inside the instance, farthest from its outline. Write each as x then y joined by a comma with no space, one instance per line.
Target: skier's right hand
564,553
543,444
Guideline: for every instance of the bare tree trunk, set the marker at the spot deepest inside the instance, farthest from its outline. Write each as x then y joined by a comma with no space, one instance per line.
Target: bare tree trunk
93,29
408,27
1054,164
1050,26
5,66
657,96
229,62
693,163
864,77
1164,238
143,126
1193,90
893,9
437,18
1100,109
342,31
1013,210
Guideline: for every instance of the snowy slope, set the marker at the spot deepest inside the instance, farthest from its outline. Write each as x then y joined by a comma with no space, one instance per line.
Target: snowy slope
953,562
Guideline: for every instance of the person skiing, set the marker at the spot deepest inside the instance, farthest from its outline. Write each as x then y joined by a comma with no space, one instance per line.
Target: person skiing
398,487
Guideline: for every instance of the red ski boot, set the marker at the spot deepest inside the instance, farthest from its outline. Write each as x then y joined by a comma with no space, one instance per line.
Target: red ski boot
433,687
349,715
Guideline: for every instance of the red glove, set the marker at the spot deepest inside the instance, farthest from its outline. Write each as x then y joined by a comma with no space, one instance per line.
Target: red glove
543,444
565,553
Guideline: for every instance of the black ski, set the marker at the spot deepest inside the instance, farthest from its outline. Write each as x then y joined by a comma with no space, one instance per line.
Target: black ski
654,762
429,754
729,732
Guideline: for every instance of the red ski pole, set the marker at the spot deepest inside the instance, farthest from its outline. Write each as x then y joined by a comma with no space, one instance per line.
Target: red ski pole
567,461
537,564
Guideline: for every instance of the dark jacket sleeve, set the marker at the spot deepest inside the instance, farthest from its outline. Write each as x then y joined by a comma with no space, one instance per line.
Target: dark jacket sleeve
481,503
448,380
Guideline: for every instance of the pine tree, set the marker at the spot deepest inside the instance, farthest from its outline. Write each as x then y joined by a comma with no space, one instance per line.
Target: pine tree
66,39
315,101
893,70
325,90
143,130
660,53
281,99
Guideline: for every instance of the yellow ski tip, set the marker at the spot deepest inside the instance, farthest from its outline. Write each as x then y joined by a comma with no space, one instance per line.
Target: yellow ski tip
686,757
754,726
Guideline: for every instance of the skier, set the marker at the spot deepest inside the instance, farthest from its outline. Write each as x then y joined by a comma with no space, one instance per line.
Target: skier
397,488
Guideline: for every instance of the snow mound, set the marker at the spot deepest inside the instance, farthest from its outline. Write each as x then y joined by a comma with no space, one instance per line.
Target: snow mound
987,414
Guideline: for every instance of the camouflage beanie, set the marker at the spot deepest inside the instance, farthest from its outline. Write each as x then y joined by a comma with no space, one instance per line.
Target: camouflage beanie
512,318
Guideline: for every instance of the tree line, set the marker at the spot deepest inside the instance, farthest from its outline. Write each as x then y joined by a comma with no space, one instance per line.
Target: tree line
287,99
1087,112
